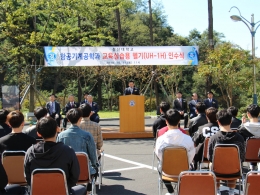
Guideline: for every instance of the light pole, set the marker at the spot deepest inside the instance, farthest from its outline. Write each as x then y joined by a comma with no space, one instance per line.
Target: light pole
251,26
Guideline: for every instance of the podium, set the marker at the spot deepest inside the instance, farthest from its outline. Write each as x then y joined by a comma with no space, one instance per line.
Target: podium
131,110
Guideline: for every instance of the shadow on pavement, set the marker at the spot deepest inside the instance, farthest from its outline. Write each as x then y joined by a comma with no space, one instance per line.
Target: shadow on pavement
117,189
115,176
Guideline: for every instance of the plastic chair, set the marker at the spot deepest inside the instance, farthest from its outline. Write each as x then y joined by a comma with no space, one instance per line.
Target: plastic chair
252,149
13,163
100,168
226,163
48,181
84,177
205,153
174,161
154,148
194,182
252,182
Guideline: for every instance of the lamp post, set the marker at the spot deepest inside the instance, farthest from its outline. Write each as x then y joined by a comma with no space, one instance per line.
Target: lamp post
252,28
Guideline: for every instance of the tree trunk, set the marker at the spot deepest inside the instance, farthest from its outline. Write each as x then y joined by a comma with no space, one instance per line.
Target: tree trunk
119,29
31,102
56,82
79,90
210,28
100,93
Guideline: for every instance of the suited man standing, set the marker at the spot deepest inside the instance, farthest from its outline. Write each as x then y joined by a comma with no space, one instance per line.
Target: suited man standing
192,105
199,120
210,101
94,109
85,98
131,90
181,105
53,109
71,104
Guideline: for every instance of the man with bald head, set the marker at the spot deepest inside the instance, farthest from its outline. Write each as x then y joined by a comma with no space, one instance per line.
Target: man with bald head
192,105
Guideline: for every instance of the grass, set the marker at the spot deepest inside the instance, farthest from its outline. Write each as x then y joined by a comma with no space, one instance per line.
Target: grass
109,114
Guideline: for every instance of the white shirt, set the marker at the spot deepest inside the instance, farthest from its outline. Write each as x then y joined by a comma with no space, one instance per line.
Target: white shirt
53,106
175,138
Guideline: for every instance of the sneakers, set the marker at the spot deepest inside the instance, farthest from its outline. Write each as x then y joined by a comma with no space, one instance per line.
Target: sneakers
218,192
170,193
253,168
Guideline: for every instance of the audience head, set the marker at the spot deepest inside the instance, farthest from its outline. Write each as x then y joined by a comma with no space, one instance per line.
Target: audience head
179,94
90,98
131,83
210,94
46,127
211,114
73,115
15,119
71,98
233,111
40,112
224,117
3,115
253,110
164,107
200,107
173,117
194,96
86,110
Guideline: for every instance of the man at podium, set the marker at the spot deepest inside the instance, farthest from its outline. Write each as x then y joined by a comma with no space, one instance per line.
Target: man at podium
131,90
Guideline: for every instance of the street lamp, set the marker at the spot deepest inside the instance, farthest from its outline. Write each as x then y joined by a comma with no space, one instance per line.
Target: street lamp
251,26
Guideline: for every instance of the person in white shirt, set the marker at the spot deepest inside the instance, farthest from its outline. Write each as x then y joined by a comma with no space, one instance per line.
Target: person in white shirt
174,137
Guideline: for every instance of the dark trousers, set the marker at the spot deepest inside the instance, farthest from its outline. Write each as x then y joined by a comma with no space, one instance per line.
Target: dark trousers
168,185
94,118
78,190
65,120
186,118
56,119
13,189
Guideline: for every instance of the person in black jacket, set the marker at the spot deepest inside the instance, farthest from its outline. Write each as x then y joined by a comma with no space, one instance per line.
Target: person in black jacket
251,128
53,109
71,104
160,121
4,127
192,105
235,121
131,90
49,154
94,109
199,120
204,132
226,136
181,105
210,101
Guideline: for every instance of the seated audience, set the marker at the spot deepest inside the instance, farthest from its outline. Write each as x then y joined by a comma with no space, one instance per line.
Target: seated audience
160,121
39,112
174,137
226,136
204,132
251,128
165,129
10,189
49,154
199,120
235,121
4,127
79,140
92,127
16,140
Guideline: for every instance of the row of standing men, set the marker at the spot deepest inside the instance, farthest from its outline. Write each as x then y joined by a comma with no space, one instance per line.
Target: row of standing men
54,109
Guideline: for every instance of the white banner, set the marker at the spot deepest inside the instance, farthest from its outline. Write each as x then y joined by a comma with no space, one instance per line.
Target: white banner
121,56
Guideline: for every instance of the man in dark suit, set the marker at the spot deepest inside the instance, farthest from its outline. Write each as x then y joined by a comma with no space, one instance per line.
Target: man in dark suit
192,105
181,105
94,109
53,109
131,90
85,98
199,120
71,104
210,101
235,121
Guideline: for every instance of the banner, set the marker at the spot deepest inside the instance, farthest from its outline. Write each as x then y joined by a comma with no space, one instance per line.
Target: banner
10,97
121,56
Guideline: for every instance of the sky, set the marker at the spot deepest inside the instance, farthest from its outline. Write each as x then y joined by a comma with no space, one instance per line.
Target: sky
185,15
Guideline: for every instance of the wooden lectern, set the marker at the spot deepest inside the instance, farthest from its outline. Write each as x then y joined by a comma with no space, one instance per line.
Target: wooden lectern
131,108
